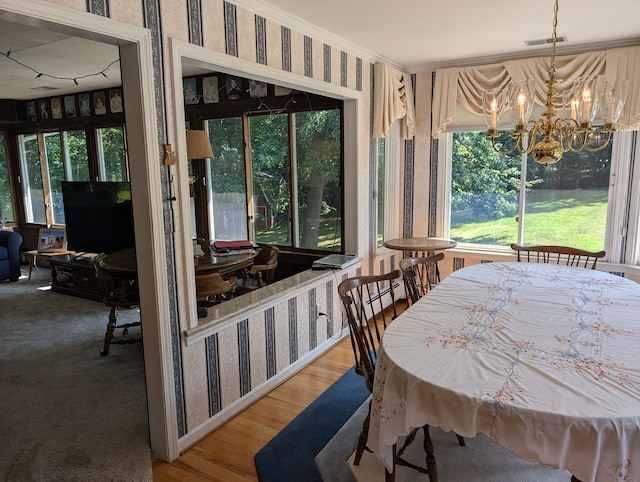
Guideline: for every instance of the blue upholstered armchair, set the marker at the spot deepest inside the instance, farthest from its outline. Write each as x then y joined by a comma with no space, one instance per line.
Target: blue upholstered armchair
10,243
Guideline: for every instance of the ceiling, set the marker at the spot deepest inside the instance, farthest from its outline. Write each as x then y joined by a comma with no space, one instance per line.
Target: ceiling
54,55
414,35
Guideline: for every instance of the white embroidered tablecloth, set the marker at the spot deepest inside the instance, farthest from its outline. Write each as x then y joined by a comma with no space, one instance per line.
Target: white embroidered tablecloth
543,359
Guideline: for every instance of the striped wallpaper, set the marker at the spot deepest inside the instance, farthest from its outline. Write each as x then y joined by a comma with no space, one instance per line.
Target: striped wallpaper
212,375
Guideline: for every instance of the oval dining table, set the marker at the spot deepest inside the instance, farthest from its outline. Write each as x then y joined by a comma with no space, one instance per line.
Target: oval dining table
542,359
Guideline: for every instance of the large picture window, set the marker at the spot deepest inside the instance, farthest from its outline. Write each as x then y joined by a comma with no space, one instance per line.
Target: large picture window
498,199
277,178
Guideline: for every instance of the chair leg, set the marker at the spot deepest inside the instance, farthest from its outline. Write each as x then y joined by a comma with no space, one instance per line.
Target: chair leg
362,440
408,441
111,326
460,440
431,459
398,460
391,476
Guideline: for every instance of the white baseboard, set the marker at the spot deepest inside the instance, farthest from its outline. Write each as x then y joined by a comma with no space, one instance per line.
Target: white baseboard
205,428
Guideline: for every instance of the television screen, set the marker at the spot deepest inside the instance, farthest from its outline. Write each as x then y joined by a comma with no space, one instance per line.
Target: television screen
98,216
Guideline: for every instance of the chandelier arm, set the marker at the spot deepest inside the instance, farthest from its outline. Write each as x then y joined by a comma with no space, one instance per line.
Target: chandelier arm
536,130
581,136
530,143
564,141
504,153
564,130
600,147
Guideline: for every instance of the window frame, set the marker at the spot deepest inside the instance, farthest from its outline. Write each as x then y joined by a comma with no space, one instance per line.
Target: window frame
94,160
4,138
293,245
622,211
392,206
101,168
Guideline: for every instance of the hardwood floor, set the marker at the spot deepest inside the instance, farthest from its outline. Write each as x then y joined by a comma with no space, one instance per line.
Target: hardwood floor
227,453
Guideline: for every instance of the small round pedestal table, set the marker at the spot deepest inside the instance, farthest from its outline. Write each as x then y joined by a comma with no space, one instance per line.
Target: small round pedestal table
417,247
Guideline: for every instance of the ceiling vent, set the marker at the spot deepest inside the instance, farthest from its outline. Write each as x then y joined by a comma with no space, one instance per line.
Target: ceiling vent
544,41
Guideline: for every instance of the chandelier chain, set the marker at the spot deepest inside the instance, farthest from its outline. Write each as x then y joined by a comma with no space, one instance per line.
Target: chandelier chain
554,37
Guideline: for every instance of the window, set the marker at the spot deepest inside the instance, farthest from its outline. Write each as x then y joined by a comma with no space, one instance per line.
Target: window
32,179
76,165
285,187
6,204
270,189
317,161
112,157
64,157
380,194
227,206
493,202
388,188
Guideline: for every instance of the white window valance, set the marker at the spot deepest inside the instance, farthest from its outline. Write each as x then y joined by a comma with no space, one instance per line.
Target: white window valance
464,86
392,99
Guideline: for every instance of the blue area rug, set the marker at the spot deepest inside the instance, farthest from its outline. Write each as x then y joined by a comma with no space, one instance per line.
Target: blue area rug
289,456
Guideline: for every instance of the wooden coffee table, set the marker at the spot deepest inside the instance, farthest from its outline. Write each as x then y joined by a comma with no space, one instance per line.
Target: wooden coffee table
32,257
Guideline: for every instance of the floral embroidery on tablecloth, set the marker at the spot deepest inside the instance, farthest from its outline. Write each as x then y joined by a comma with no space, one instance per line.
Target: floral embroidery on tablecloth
579,351
620,472
381,412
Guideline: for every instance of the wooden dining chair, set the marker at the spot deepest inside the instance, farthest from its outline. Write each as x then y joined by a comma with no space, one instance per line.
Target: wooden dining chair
201,244
119,291
363,299
263,270
370,306
212,289
419,274
559,255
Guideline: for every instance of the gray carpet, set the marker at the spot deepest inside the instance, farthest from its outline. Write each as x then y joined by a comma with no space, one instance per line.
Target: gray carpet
68,414
481,460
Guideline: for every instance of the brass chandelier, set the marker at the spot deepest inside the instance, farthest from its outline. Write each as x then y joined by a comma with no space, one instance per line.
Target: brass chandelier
552,135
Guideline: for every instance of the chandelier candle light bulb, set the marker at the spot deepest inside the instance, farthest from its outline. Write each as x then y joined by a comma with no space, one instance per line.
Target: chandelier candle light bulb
494,113
586,98
521,101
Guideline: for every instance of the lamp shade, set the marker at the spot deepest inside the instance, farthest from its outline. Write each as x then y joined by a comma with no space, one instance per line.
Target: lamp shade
198,145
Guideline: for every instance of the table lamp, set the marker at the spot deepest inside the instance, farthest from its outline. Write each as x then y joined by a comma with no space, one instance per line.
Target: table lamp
198,145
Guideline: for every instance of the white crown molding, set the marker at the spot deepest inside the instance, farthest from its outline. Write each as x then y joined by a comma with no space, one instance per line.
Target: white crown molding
286,19
538,52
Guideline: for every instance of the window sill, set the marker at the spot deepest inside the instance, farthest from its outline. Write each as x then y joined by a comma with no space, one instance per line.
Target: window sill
226,314
503,253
